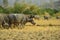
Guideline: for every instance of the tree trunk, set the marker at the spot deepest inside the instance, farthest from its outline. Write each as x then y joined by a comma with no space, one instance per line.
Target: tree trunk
5,3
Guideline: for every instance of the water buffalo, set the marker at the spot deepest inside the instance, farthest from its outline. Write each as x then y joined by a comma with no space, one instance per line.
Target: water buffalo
6,20
22,19
46,17
28,19
37,17
57,17
18,19
3,23
11,19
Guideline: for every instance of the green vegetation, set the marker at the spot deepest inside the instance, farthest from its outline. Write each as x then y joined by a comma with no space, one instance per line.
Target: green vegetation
51,11
28,9
3,10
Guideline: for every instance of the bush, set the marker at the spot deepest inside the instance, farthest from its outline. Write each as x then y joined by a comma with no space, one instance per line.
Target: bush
10,9
41,11
18,8
28,9
1,9
51,11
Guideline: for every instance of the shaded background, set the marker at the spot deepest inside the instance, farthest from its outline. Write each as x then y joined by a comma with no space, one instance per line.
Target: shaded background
43,3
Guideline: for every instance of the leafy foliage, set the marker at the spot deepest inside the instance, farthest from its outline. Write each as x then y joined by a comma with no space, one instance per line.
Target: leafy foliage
51,11
1,9
28,9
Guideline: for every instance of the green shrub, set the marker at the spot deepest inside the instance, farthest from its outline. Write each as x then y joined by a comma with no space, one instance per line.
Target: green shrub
1,9
27,11
51,11
18,8
41,11
31,9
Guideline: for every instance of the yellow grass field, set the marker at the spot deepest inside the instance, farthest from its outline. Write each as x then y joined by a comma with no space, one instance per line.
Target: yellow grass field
40,31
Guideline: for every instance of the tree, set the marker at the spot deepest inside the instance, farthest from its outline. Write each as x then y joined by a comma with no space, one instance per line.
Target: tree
5,3
51,3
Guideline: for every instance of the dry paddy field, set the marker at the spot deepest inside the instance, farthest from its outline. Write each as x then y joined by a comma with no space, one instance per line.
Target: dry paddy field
43,30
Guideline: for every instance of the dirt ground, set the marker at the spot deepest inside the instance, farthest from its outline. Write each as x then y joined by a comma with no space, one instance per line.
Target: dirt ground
43,30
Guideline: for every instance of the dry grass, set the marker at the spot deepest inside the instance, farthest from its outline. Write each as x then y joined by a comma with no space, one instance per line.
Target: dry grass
31,32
